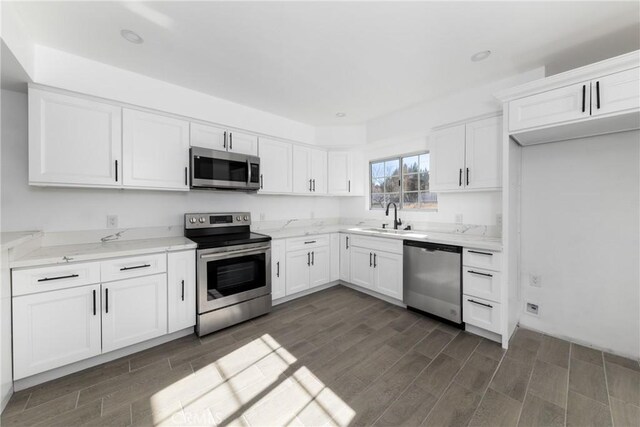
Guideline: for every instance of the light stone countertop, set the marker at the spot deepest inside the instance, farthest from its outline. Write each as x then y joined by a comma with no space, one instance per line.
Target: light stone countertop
50,255
11,239
457,239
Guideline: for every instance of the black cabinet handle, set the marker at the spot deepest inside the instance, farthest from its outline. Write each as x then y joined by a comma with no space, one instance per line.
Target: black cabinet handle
597,95
347,239
135,267
480,274
370,262
313,258
261,181
106,300
230,141
481,253
94,302
116,171
278,269
310,241
186,175
224,141
183,290
480,303
460,178
467,176
310,184
314,185
584,97
308,258
47,279
349,182
375,259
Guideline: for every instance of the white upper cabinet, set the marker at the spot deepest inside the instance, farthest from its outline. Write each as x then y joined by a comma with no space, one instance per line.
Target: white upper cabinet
181,290
276,165
447,159
309,170
73,141
483,160
340,172
616,93
554,106
155,151
217,138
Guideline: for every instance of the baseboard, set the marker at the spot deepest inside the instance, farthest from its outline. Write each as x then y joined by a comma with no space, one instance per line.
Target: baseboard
483,333
5,399
304,293
373,294
43,377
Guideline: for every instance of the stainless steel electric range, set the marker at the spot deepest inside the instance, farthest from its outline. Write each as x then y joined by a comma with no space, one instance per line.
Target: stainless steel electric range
233,268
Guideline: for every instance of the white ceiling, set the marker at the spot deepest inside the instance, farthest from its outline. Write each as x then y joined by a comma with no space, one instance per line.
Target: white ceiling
307,61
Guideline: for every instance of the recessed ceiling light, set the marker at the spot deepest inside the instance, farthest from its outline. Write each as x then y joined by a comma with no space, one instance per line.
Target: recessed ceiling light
132,37
340,114
479,56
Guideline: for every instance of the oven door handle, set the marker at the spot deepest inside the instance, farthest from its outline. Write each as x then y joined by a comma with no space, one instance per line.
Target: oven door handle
231,254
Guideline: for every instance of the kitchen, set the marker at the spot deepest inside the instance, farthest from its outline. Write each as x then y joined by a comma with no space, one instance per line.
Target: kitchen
187,239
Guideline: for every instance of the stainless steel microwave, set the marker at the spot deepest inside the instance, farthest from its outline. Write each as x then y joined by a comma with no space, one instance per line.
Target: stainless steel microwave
222,170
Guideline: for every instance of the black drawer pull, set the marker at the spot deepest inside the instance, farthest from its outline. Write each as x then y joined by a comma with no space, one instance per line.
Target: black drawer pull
480,303
598,95
460,178
308,258
183,290
135,267
375,260
584,97
313,258
310,241
186,175
347,239
94,302
480,274
467,176
278,269
370,262
106,300
480,253
116,171
46,279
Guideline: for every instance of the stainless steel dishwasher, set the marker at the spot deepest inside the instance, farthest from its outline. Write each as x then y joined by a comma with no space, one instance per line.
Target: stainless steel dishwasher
433,279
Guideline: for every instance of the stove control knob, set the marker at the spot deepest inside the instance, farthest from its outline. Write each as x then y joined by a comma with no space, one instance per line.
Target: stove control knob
246,218
192,220
202,220
238,218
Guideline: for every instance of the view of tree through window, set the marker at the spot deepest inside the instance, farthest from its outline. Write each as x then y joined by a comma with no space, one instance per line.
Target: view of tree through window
404,179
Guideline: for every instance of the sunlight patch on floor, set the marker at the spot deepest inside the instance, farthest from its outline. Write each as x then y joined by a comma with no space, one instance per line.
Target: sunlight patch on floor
257,384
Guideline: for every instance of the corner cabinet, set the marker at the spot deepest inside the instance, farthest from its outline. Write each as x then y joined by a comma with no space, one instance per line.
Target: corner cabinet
341,175
467,157
155,150
73,141
276,166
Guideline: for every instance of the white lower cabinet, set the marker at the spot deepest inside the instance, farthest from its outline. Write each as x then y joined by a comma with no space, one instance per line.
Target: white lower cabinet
133,310
481,313
345,258
308,263
362,267
278,266
298,263
52,329
320,268
378,270
482,289
387,274
181,290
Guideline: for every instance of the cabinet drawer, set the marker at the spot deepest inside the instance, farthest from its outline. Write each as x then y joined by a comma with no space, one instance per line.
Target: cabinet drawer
377,243
480,258
481,283
307,242
33,280
126,268
481,313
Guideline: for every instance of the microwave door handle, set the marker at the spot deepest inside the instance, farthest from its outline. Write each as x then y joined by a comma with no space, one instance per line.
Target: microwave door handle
248,172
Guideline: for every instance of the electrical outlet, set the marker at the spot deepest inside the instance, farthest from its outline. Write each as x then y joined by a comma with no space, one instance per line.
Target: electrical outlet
532,308
499,220
459,218
112,221
262,216
535,281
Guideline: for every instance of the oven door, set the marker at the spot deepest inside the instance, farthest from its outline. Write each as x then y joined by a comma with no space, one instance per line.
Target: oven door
227,276
221,169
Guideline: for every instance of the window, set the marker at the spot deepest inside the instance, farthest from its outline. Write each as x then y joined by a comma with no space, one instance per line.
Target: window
403,180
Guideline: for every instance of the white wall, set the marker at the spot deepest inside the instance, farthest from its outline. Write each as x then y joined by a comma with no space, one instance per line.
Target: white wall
61,209
580,234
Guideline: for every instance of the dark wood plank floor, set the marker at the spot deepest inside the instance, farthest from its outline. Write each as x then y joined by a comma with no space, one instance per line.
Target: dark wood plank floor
339,357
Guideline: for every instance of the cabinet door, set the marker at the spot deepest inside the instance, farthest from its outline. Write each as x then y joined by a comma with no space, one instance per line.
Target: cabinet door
243,143
387,272
318,171
52,329
208,137
362,267
345,257
551,107
302,181
181,290
276,163
278,269
73,141
155,151
447,159
320,271
335,257
133,311
483,154
339,172
297,268
616,93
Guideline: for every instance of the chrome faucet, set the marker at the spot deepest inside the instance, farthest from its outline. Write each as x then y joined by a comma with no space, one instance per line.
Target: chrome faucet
396,220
